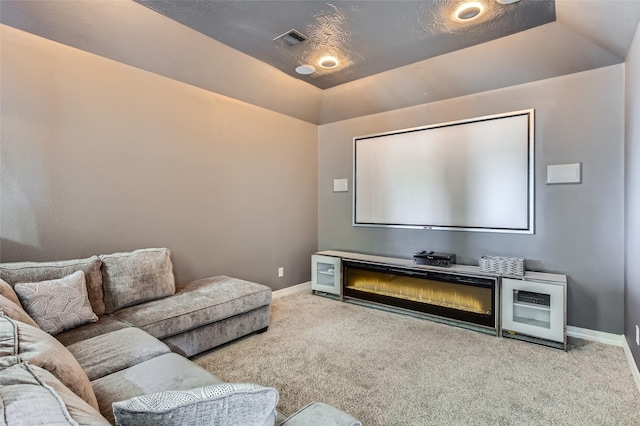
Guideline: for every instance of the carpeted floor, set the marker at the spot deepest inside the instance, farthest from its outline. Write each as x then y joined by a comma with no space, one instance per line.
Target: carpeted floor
389,369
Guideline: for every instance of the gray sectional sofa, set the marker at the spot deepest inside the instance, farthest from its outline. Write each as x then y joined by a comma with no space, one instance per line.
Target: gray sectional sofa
105,340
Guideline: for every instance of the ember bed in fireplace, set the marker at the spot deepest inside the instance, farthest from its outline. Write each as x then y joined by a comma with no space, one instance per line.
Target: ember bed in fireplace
452,297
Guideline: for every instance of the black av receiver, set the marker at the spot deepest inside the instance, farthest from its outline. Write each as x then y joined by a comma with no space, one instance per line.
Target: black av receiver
432,258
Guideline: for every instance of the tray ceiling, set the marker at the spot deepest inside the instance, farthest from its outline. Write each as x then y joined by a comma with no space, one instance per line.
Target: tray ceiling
582,35
366,37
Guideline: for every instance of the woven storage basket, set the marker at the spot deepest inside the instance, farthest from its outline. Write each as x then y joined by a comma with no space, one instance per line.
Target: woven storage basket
502,265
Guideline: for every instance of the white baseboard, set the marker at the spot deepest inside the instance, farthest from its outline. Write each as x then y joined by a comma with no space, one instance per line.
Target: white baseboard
294,289
632,363
609,339
596,336
580,333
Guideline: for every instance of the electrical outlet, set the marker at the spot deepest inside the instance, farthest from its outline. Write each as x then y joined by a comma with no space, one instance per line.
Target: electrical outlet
280,272
637,335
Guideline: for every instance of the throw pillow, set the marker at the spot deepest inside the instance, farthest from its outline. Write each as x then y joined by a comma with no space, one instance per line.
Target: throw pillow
7,291
29,272
57,305
10,304
24,387
135,277
15,311
225,404
24,343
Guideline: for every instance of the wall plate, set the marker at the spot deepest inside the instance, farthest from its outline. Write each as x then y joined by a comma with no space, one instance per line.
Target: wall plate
340,185
564,173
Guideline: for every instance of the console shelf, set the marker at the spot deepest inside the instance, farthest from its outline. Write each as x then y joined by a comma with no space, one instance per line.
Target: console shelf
530,307
543,319
326,274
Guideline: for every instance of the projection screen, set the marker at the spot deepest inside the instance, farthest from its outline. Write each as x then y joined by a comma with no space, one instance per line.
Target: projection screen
470,175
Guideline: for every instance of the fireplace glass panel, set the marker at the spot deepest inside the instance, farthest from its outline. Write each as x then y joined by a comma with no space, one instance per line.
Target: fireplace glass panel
461,297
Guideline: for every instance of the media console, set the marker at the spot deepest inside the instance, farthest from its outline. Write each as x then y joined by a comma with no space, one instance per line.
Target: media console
530,307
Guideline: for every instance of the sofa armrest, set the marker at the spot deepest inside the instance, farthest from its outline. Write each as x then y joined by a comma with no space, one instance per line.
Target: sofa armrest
319,414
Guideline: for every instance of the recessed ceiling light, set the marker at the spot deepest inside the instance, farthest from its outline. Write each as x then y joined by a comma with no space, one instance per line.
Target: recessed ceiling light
468,11
305,69
507,1
328,62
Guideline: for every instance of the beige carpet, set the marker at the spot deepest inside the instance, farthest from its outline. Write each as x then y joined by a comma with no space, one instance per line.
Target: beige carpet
389,369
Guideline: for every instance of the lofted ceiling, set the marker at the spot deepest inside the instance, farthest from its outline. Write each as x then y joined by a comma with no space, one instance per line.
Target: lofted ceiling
366,37
392,54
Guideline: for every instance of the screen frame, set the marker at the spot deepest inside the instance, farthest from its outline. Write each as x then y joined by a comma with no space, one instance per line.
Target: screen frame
530,228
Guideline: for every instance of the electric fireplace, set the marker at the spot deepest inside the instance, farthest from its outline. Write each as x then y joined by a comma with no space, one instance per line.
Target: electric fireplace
468,301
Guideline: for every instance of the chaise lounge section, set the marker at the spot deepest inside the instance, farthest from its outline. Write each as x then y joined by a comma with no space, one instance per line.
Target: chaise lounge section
138,289
203,314
119,357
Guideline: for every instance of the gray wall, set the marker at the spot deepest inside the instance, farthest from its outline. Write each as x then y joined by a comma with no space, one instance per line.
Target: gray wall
99,157
632,196
95,159
579,228
133,34
487,66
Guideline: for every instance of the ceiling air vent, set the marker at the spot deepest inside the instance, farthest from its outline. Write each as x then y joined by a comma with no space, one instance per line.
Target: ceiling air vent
291,38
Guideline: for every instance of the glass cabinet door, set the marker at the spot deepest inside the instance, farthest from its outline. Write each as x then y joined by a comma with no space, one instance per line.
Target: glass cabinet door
533,308
325,274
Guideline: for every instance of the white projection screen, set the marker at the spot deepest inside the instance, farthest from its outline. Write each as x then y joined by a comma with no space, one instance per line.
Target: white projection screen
470,175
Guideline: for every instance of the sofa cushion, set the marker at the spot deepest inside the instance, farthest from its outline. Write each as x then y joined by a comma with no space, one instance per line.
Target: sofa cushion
22,342
195,304
135,277
165,372
15,311
57,305
226,404
7,291
10,304
42,271
24,387
115,351
105,324
196,340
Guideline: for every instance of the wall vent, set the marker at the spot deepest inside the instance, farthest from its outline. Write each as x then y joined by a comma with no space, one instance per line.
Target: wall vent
291,38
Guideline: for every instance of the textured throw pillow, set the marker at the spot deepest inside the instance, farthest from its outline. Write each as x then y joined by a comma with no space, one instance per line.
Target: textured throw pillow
57,305
30,272
20,342
226,404
135,277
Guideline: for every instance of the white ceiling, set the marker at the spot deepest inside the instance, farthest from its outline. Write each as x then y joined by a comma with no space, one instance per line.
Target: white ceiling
586,34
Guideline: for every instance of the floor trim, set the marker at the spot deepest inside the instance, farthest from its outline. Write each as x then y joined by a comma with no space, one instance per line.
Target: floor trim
580,333
632,363
596,336
294,289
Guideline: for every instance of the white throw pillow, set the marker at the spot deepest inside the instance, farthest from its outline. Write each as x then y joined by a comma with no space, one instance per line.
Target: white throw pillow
57,305
224,404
